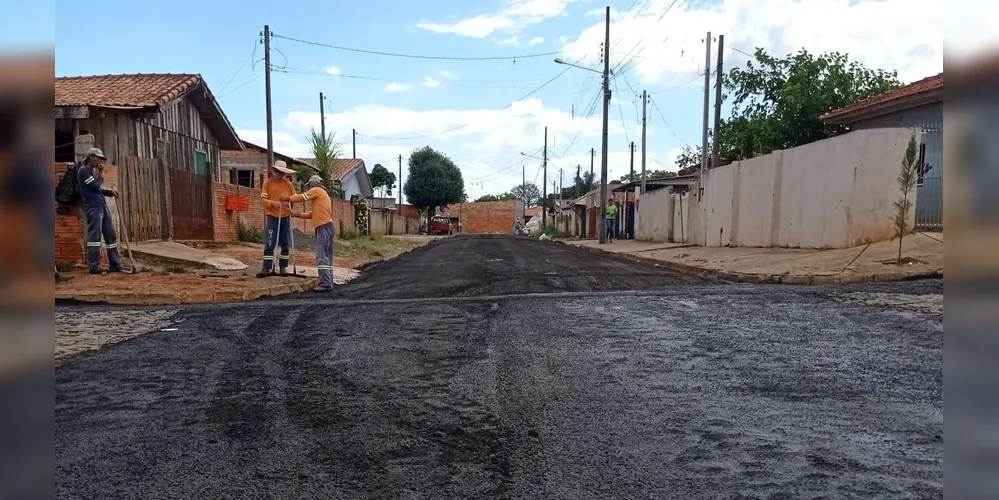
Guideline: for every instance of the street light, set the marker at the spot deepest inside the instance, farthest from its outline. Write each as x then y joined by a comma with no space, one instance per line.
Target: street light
602,219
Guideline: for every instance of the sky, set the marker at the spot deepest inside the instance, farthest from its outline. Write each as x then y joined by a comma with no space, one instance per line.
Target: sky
488,115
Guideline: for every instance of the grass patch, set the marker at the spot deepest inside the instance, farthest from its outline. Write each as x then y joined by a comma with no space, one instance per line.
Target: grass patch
248,233
374,247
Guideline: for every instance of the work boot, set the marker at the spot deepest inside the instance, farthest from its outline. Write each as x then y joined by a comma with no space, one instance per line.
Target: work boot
322,289
283,271
265,271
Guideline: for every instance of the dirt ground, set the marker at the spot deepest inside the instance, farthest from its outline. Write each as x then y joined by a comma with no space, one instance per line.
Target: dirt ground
191,281
503,367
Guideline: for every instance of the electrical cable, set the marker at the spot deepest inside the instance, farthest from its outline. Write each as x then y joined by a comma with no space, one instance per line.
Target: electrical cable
414,56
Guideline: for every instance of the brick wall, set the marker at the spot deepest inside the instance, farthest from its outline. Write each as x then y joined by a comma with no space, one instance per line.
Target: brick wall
408,211
227,225
70,246
226,221
484,216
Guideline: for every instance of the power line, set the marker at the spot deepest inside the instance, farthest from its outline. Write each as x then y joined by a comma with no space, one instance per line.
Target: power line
414,56
529,94
656,107
302,71
253,55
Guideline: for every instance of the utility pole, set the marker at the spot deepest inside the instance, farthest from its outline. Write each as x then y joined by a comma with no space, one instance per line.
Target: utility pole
593,154
322,114
631,172
523,191
544,183
561,179
602,216
400,179
707,104
716,142
645,99
354,142
267,91
579,179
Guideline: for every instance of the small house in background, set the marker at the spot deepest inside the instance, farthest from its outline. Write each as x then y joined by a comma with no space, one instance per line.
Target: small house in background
248,168
352,176
919,106
163,133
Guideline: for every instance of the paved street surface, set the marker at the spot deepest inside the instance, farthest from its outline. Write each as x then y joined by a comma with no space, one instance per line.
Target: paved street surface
498,367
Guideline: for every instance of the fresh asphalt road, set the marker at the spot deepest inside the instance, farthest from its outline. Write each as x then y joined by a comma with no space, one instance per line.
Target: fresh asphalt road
503,367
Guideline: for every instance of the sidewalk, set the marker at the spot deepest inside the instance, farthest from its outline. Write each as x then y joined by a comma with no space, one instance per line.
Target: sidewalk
872,262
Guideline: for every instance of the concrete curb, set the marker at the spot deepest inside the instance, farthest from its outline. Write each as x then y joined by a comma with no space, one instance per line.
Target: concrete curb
171,299
785,278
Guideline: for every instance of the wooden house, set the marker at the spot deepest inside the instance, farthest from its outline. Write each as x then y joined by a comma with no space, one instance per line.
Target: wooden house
164,132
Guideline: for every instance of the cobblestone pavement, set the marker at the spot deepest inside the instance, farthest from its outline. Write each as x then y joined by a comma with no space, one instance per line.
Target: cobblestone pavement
78,331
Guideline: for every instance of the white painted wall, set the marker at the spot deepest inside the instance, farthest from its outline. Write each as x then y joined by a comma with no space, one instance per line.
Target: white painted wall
351,186
835,193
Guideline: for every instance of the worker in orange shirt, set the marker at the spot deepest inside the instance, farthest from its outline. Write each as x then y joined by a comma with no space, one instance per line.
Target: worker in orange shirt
322,218
278,225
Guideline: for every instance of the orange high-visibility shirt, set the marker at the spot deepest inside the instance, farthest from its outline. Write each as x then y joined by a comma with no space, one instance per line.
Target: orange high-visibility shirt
322,207
272,191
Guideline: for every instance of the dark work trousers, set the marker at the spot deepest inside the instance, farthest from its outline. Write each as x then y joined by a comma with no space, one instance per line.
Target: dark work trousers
275,239
612,228
324,254
100,224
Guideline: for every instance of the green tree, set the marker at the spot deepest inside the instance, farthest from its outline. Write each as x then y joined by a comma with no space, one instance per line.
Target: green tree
383,179
494,197
434,181
528,194
777,102
325,151
906,183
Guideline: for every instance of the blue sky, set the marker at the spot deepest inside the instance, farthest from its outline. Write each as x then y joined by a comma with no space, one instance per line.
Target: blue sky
220,40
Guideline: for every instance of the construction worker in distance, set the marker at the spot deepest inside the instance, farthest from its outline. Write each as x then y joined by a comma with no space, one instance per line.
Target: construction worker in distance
278,221
322,218
90,178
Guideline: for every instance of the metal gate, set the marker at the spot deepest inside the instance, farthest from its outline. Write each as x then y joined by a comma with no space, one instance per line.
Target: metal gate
929,188
191,201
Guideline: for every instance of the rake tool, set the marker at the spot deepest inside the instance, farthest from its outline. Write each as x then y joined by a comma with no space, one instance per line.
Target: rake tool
124,235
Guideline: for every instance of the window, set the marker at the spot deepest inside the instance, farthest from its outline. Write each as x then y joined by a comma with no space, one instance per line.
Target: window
65,148
161,150
200,162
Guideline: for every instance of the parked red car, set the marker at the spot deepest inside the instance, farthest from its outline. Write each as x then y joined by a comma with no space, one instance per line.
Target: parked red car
442,225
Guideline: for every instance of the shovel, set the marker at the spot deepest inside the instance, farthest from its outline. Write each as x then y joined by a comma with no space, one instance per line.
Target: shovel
124,235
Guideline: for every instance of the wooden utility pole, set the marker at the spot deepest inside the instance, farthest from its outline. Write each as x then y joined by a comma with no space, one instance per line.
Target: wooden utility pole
544,183
716,141
602,216
267,92
645,100
322,115
354,142
707,103
399,182
593,154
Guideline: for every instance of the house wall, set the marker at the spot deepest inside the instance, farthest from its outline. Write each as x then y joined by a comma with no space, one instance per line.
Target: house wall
178,123
351,186
834,193
928,119
408,211
486,217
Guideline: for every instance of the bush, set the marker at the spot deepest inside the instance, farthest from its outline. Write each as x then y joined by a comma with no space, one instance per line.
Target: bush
248,233
349,234
552,231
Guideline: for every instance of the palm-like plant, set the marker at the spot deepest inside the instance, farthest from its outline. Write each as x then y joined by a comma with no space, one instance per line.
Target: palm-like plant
325,151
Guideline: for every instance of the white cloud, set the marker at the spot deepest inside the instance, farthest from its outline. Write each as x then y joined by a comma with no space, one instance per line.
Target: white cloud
890,34
485,143
536,41
430,81
513,17
601,12
509,41
332,70
396,87
446,74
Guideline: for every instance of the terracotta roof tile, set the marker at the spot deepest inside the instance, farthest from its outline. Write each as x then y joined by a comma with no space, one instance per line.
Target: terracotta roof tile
925,85
138,90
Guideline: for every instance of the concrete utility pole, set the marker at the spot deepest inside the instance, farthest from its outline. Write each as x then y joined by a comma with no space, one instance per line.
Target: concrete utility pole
399,183
267,91
602,216
561,179
544,183
578,179
322,114
645,99
593,154
354,142
631,170
716,142
707,103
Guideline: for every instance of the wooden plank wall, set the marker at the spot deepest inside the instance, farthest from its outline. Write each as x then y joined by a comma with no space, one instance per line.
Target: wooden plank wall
140,185
191,195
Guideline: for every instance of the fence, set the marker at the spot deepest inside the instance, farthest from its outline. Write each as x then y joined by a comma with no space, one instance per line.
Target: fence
389,222
929,190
